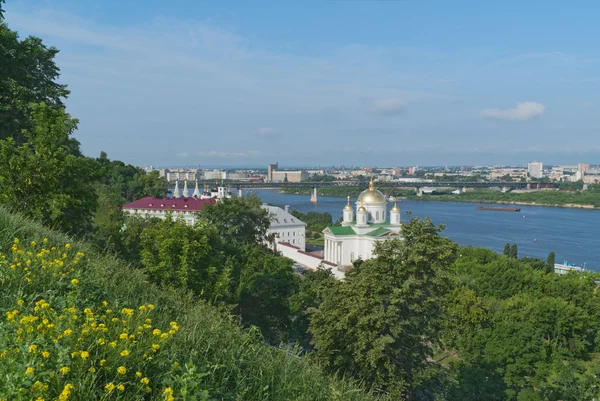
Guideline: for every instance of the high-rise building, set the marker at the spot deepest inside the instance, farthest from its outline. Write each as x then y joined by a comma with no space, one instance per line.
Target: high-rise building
271,168
583,167
535,169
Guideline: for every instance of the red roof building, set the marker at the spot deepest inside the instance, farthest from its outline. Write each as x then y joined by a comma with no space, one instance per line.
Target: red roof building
157,207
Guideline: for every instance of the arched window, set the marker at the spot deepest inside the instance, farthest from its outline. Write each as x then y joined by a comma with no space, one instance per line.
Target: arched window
377,215
351,256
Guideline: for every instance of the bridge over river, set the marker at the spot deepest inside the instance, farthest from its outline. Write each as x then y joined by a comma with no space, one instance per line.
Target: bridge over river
417,185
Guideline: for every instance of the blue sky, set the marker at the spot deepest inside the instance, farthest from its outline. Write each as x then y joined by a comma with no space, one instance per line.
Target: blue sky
397,82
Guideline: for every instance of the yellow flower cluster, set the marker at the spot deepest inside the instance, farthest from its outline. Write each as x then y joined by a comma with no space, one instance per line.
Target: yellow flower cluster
53,342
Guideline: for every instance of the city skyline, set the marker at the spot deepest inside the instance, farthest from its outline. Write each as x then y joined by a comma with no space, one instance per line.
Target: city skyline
327,83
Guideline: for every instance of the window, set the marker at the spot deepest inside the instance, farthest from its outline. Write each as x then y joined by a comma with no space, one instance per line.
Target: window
351,256
377,215
294,233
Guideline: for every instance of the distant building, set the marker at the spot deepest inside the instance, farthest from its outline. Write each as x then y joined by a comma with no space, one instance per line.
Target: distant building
286,227
157,207
179,174
215,175
535,169
270,169
583,167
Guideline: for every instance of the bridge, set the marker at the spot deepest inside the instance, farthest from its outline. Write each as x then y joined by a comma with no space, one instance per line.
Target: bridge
392,184
417,185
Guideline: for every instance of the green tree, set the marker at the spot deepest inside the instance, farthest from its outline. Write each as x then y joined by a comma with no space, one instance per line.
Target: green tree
266,282
239,220
28,74
381,323
180,255
513,251
507,249
550,262
43,179
310,295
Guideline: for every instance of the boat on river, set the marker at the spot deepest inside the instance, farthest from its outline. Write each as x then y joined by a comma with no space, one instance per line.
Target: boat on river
499,209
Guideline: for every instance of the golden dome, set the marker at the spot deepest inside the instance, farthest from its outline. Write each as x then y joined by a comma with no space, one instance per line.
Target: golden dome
395,208
362,209
348,207
371,195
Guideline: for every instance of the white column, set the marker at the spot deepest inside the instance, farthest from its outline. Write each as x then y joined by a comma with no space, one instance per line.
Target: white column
327,249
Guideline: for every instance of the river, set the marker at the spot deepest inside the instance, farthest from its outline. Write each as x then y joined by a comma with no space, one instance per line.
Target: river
573,234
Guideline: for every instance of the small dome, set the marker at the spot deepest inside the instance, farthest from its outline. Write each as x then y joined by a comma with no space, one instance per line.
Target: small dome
362,209
395,208
371,195
348,207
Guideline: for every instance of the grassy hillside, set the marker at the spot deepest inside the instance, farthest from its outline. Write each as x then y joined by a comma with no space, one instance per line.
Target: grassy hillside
76,325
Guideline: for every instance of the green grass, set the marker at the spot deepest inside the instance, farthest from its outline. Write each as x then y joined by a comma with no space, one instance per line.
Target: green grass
217,358
316,241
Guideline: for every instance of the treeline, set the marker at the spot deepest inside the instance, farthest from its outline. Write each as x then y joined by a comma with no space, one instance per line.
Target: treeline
550,198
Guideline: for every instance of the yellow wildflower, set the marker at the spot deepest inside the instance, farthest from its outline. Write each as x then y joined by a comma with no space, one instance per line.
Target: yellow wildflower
20,302
120,387
156,332
142,308
155,347
68,246
39,386
125,353
33,348
164,336
92,370
109,387
150,306
29,371
84,354
64,370
68,332
122,370
145,380
138,374
102,362
46,354
113,344
75,281
123,336
127,311
64,396
148,389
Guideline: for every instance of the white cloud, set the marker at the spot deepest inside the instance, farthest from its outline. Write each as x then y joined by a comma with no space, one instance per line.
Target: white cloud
389,107
183,154
523,111
233,155
265,132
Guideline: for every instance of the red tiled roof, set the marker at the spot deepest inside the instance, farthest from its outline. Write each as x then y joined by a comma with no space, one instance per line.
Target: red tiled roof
172,204
288,244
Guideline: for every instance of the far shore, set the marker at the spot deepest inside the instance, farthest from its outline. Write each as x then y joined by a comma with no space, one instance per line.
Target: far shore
426,198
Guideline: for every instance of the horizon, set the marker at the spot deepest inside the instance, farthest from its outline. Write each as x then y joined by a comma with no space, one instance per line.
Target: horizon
326,83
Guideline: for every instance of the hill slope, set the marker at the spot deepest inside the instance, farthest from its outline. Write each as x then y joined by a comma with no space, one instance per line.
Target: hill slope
77,325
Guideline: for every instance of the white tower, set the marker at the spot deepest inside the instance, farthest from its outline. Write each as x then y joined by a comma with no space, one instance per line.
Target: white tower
361,216
185,192
176,193
196,193
348,214
395,215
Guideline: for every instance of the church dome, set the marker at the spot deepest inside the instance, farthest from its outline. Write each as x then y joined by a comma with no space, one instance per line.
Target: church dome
362,209
371,195
395,208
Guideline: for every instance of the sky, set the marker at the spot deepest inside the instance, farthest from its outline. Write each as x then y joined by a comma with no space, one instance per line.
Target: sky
328,82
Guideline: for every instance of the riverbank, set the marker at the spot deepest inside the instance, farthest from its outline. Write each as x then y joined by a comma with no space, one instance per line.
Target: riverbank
580,200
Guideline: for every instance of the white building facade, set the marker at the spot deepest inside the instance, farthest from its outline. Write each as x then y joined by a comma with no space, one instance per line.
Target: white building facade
285,227
361,230
535,169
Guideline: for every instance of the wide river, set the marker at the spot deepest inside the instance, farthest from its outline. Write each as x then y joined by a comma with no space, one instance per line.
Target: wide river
573,234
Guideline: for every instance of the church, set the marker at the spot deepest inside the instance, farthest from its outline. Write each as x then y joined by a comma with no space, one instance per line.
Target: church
360,231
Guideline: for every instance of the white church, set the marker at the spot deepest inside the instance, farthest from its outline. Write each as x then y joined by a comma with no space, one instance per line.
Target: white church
357,236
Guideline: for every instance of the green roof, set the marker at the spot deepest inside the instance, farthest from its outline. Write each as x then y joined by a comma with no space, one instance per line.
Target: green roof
377,232
337,230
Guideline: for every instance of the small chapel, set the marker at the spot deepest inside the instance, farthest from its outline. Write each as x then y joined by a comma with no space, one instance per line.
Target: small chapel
360,231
